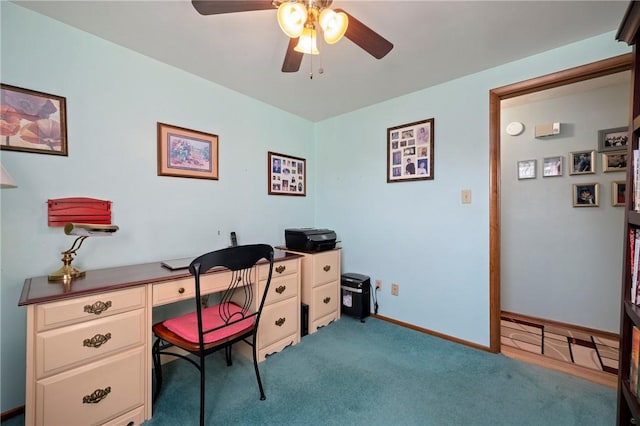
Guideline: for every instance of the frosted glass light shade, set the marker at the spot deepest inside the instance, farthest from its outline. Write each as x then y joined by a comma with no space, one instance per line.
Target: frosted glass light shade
292,17
307,42
333,25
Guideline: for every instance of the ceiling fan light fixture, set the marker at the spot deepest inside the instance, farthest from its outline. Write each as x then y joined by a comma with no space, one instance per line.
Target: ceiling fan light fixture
292,16
333,25
307,41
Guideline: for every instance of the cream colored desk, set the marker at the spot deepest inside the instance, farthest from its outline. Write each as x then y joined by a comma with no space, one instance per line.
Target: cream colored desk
89,348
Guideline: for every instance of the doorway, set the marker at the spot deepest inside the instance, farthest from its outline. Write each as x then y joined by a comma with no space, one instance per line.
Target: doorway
562,78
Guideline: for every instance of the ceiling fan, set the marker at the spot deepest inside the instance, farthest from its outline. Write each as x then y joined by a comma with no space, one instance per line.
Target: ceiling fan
300,19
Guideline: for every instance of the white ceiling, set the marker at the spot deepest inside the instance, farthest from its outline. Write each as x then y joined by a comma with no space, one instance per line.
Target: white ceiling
434,41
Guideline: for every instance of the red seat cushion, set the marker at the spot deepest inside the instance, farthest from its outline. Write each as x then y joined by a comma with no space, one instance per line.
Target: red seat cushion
186,326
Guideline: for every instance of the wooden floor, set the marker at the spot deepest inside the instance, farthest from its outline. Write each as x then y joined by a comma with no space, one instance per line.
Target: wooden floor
579,351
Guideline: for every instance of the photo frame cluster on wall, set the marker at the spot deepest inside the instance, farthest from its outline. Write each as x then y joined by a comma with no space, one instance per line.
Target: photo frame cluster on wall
612,145
410,151
287,175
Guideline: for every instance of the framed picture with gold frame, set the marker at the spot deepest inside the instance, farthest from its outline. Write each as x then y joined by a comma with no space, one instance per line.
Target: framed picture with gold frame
33,121
614,161
187,153
618,193
586,195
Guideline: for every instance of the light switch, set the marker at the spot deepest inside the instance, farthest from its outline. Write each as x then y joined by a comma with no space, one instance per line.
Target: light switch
466,196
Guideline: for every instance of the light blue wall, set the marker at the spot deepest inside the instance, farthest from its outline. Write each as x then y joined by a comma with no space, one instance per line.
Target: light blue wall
114,99
560,262
416,234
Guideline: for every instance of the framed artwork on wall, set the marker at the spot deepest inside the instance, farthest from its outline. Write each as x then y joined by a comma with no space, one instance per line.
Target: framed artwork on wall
552,166
527,169
615,139
582,162
586,194
410,151
614,161
618,193
287,175
33,121
187,153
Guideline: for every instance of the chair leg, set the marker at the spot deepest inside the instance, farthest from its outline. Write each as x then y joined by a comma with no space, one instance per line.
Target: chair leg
255,367
202,387
227,355
157,367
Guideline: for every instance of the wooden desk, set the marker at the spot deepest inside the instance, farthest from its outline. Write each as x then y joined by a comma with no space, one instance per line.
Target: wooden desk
89,346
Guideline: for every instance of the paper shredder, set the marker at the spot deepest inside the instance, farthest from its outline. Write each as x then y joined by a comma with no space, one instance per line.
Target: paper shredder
356,294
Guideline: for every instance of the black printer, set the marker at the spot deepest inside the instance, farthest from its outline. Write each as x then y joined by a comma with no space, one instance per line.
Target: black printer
310,239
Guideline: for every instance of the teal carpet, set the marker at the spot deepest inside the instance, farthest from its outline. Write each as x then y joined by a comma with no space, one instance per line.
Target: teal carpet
377,373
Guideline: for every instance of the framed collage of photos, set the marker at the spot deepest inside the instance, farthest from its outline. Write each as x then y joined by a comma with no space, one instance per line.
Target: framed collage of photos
287,175
410,151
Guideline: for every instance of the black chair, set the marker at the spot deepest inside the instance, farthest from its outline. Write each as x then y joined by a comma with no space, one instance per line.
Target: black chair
234,319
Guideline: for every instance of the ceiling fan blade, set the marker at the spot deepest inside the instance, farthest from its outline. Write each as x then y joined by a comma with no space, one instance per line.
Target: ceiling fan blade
369,40
217,7
292,59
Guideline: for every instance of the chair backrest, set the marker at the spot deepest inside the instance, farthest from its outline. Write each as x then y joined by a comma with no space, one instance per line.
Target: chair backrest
238,301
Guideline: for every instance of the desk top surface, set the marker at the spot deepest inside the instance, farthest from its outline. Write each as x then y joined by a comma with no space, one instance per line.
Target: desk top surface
40,289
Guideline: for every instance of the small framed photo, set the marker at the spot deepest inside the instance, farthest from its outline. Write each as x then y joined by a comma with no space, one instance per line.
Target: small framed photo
187,153
33,121
586,194
287,175
552,166
410,151
527,169
614,161
615,139
582,162
618,193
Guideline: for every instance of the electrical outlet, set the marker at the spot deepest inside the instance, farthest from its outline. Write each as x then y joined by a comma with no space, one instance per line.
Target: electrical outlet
378,285
394,289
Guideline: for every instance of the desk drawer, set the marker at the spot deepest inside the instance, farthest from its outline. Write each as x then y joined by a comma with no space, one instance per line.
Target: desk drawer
71,311
174,291
278,321
68,346
284,267
325,267
325,300
281,288
73,397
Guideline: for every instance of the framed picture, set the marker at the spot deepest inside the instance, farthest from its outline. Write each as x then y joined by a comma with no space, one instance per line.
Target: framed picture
586,194
552,166
410,151
33,121
187,153
582,162
614,161
613,139
527,169
287,175
618,193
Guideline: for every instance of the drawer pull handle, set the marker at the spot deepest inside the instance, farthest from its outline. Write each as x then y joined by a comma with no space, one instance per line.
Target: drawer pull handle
327,268
326,300
280,269
97,340
97,396
281,289
181,290
280,322
98,307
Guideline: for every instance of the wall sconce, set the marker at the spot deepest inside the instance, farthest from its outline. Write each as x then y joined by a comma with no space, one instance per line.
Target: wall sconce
67,272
